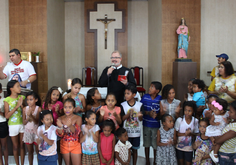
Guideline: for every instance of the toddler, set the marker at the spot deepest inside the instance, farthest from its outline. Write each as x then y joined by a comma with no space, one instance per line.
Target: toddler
122,148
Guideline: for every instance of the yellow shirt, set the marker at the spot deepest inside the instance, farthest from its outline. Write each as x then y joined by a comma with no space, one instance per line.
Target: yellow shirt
229,145
215,71
230,82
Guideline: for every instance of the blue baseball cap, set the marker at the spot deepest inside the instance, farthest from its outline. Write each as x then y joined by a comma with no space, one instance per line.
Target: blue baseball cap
223,55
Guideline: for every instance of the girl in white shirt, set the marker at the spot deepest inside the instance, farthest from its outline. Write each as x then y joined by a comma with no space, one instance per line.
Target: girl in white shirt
186,127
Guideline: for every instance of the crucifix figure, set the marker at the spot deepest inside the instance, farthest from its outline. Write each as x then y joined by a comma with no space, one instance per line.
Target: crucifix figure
106,22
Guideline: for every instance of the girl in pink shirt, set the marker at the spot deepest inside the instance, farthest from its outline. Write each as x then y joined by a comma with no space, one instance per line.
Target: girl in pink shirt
110,111
53,102
106,143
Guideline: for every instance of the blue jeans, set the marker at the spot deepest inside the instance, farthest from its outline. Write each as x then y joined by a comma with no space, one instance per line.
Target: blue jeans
47,160
227,158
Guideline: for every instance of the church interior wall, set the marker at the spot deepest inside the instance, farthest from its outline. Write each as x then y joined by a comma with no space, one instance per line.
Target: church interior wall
74,39
154,41
138,36
28,33
4,35
172,12
56,43
218,34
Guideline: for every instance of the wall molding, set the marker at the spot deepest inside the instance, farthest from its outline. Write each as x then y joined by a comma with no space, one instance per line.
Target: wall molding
83,0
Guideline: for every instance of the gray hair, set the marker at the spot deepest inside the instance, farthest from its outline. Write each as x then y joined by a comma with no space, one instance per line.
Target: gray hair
116,51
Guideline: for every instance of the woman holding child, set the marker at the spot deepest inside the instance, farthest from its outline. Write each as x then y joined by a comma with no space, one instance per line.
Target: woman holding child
224,86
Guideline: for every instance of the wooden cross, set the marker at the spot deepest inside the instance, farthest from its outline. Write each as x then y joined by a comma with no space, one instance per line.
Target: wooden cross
106,22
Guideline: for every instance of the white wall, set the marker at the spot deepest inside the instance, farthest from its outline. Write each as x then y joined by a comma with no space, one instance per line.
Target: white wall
138,36
56,43
218,34
4,35
74,39
154,40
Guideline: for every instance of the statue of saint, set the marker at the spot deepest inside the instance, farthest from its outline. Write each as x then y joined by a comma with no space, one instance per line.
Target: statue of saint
183,39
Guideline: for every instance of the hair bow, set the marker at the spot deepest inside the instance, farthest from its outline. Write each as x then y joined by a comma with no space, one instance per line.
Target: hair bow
60,90
217,105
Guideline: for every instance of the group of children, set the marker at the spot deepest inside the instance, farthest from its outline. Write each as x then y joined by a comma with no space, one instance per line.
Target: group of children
91,132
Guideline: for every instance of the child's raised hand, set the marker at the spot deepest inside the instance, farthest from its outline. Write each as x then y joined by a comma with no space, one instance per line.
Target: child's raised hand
59,123
165,107
102,112
198,143
188,132
115,114
85,129
38,141
217,123
140,114
29,113
20,102
50,106
78,109
41,134
170,142
153,114
177,110
57,107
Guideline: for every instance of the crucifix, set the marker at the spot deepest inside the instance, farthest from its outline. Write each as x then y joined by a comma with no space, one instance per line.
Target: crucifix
106,22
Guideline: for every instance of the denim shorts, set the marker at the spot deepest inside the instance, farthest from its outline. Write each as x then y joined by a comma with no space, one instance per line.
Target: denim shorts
135,141
47,160
187,156
227,158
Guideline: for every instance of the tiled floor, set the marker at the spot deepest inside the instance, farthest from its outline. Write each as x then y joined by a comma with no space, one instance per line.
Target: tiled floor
140,161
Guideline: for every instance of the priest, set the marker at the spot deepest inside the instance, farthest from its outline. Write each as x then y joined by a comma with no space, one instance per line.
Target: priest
116,77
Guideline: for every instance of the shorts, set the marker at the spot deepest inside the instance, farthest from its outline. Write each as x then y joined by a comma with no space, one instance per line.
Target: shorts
90,159
135,141
227,158
150,137
4,130
187,156
14,130
70,147
47,160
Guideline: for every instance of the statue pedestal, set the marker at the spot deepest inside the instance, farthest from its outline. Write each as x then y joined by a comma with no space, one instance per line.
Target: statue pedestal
182,73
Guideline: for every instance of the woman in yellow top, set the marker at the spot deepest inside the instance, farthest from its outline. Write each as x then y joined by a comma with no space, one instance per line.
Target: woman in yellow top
224,85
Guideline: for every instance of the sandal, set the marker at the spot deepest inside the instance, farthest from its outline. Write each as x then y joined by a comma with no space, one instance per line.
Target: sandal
215,160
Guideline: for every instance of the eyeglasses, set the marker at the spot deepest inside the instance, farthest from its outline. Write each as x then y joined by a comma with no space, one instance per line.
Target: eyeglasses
115,58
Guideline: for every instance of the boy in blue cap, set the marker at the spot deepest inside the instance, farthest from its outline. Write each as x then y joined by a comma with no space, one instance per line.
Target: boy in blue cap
221,58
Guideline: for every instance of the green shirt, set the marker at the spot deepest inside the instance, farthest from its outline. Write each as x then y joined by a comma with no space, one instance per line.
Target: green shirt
16,118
